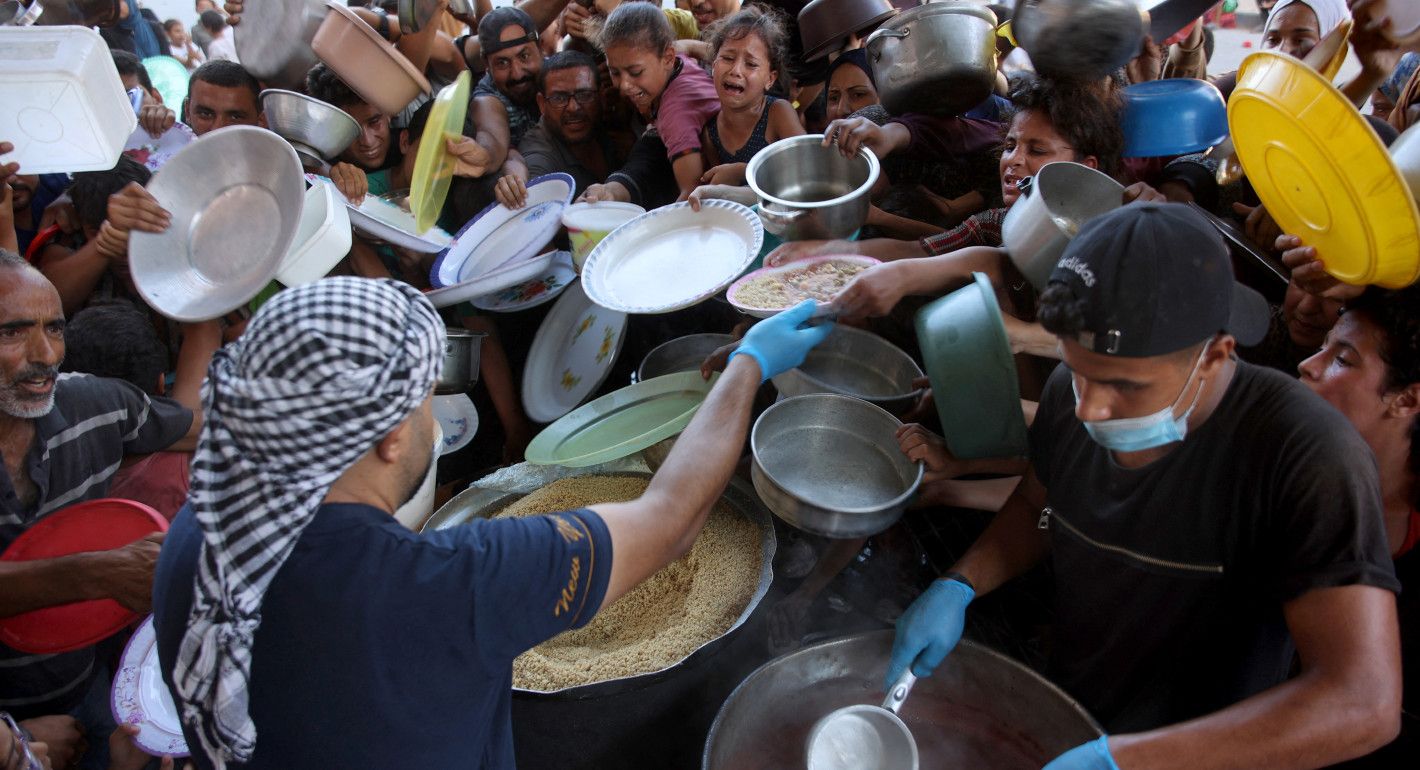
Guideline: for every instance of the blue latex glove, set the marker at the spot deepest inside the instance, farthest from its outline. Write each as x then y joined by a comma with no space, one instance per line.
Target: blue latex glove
778,344
1087,756
929,629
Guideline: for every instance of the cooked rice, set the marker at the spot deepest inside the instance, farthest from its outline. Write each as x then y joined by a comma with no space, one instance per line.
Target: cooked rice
693,600
821,281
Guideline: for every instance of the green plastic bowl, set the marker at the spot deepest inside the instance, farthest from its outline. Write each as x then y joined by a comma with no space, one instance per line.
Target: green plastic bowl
968,359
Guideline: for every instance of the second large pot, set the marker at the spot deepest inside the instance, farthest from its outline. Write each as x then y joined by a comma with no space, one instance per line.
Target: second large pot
938,58
1062,197
811,192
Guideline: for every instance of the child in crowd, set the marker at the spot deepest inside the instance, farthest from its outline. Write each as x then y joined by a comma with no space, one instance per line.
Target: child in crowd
748,60
670,91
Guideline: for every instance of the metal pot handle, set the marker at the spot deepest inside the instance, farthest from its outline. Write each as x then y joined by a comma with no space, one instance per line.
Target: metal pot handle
883,33
898,694
780,218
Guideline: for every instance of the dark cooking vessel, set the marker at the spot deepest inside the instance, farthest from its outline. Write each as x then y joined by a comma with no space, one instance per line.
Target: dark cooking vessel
979,710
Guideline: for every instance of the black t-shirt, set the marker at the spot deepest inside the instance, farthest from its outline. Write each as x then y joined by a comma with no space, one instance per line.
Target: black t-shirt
1170,578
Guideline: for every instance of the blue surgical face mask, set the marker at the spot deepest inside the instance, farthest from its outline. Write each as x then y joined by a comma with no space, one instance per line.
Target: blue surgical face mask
1135,434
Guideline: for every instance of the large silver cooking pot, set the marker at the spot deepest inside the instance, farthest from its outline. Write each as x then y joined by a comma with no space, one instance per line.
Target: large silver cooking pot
830,465
478,503
979,710
274,40
463,352
1061,198
811,192
1087,39
938,58
858,364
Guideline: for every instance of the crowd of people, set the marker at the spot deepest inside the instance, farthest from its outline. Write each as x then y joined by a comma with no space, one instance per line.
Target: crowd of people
1218,515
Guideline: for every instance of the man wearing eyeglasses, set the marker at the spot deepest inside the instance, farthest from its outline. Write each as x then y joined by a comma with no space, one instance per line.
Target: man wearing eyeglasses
569,137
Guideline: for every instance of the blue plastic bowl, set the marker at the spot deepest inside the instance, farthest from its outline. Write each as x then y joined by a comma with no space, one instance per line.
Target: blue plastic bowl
1172,117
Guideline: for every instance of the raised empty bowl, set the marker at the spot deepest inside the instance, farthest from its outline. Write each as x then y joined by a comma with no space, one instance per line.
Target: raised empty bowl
830,465
973,375
232,223
682,354
322,238
824,25
1061,198
373,68
1172,117
856,363
311,126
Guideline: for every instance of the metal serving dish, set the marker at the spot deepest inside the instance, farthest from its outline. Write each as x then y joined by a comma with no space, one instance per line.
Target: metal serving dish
856,363
274,40
829,465
979,709
232,223
475,503
938,58
824,25
316,129
808,191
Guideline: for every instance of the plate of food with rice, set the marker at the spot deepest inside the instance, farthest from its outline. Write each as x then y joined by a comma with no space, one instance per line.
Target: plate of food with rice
769,290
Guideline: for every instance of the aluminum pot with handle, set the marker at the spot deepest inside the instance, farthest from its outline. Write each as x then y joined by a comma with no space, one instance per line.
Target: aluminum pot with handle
463,353
938,58
1086,39
808,191
1059,200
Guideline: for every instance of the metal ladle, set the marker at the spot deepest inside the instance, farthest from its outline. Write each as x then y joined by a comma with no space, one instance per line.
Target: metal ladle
866,737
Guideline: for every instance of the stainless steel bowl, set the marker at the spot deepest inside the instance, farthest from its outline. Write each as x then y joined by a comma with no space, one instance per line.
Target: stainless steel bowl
980,709
682,354
852,362
463,353
274,40
232,223
808,191
938,58
829,465
476,503
310,125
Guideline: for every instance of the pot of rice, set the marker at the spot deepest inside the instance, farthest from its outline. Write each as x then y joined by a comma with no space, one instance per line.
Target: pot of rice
682,613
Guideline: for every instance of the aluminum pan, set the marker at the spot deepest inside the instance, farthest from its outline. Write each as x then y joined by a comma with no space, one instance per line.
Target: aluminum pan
480,503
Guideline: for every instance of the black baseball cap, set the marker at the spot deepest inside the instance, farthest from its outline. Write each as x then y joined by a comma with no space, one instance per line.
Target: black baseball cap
491,27
1156,278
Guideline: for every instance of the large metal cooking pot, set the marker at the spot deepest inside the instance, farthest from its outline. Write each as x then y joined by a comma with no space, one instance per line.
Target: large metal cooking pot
477,503
830,465
1060,199
811,192
1086,39
463,353
938,58
274,40
980,709
856,363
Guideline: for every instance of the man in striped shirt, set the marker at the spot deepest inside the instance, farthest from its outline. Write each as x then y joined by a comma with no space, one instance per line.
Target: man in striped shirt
62,439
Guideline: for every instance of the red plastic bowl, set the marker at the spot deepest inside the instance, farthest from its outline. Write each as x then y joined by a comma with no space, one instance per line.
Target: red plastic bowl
96,525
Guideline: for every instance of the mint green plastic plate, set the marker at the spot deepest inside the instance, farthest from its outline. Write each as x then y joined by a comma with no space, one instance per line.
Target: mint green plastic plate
621,423
968,359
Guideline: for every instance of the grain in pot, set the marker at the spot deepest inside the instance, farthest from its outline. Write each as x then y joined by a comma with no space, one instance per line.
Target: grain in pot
691,601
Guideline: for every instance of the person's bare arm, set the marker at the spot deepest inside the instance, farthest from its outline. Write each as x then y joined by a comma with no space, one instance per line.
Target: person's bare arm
199,341
783,121
651,532
124,574
74,273
688,170
900,227
1012,543
490,119
416,45
445,59
1343,704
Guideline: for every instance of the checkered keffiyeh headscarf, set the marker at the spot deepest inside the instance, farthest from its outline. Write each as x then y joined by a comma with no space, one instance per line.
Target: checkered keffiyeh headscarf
322,373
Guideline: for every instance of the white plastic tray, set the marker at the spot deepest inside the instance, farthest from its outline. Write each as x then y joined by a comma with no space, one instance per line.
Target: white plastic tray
61,102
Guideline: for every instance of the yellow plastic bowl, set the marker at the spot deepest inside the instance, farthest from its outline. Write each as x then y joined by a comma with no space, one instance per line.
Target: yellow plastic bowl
1322,172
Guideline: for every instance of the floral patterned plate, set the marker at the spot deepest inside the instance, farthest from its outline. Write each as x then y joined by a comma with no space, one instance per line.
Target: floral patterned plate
571,355
140,697
559,275
458,419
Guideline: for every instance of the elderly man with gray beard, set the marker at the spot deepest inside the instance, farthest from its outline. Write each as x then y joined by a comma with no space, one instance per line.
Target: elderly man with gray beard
62,438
